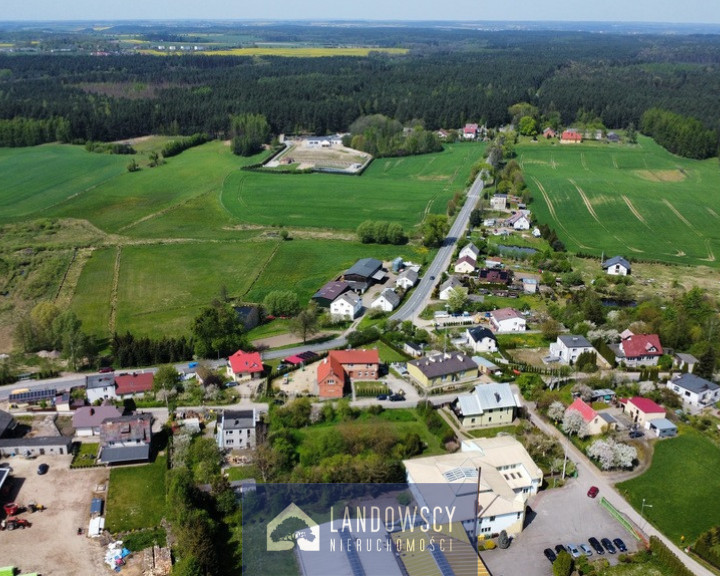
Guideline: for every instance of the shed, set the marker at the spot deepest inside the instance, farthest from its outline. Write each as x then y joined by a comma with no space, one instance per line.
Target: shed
662,428
96,507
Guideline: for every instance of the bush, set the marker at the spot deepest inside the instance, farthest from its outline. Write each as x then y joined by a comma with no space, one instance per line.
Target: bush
563,565
490,545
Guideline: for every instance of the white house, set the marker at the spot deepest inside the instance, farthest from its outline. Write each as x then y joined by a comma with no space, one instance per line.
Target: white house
236,429
507,320
406,279
465,265
347,306
447,287
498,202
509,477
488,405
530,285
387,300
568,347
100,387
519,221
481,339
470,131
695,391
616,266
469,250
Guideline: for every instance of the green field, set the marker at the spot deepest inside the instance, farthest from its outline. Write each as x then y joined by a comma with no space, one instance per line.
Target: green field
681,485
634,200
135,496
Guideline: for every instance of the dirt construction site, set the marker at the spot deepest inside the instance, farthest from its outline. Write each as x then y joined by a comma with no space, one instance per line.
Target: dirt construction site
51,546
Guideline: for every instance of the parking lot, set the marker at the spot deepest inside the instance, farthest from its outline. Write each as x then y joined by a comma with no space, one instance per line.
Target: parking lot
558,516
51,546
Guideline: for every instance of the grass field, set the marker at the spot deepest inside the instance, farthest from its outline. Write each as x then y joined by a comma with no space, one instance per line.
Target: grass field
287,51
635,200
681,485
136,496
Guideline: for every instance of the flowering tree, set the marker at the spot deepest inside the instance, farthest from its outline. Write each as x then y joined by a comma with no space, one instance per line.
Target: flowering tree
573,423
612,454
556,411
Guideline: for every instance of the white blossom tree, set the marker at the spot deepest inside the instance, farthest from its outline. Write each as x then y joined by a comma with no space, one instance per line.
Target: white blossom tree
556,411
583,390
646,387
611,454
572,422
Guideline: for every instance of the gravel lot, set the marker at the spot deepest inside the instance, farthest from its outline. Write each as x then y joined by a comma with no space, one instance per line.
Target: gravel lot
559,516
51,545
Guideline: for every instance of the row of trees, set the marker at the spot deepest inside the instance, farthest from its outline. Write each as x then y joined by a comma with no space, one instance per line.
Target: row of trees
175,147
382,136
19,131
381,232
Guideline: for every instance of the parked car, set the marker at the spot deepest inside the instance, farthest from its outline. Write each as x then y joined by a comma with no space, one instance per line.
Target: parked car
593,491
636,434
620,544
595,543
608,545
586,549
106,369
549,554
396,397
560,548
381,397
574,550
42,469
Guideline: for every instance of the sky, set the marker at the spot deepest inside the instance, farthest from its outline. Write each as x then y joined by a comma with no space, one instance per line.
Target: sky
673,11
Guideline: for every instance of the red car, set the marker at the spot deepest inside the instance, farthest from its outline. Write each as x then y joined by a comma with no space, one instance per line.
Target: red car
593,491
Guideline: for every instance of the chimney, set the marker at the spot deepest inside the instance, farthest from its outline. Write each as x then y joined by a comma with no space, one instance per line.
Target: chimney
92,411
497,397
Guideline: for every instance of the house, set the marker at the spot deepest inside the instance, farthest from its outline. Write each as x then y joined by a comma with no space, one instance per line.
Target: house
35,446
406,279
363,274
465,265
236,429
245,366
616,266
329,292
134,384
571,136
596,423
126,439
519,221
488,405
498,202
7,424
469,250
448,286
248,316
568,348
613,137
507,320
495,276
685,361
470,131
341,365
549,133
441,370
695,391
637,349
530,285
88,419
494,501
346,307
481,339
662,428
387,300
100,387
642,410
412,349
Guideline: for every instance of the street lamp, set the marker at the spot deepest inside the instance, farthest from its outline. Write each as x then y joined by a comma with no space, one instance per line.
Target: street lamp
642,508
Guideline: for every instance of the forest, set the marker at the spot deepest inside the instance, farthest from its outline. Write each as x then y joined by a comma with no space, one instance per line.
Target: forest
447,78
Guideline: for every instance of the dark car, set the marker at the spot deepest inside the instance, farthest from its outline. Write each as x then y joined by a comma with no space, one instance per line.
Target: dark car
608,545
106,369
596,545
381,397
593,491
42,469
620,544
549,554
396,397
636,434
560,548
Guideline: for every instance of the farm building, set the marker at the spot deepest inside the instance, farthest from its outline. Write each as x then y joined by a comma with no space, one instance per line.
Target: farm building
244,366
616,266
329,292
364,273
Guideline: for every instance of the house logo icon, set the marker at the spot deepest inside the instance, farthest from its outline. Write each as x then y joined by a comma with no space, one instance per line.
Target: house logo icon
293,527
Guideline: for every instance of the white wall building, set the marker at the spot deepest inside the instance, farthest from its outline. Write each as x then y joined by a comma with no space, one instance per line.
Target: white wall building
347,306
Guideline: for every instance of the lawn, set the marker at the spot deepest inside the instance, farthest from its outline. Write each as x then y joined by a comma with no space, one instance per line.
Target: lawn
91,301
639,201
136,496
388,354
681,485
86,455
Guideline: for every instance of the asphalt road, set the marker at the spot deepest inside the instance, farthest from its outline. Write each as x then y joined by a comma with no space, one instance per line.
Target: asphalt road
420,295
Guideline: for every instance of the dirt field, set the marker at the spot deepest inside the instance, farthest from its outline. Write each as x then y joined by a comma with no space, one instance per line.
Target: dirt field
51,545
319,153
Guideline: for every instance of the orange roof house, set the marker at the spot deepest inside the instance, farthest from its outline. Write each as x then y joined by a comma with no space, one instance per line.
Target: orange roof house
133,384
340,365
596,423
245,365
571,137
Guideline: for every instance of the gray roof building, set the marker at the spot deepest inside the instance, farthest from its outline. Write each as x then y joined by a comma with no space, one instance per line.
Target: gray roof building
444,364
364,270
616,260
574,341
485,397
238,419
330,291
695,384
7,423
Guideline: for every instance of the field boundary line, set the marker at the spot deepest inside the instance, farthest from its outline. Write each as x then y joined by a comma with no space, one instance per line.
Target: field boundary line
711,254
634,210
551,208
114,291
681,217
64,278
261,271
67,287
587,203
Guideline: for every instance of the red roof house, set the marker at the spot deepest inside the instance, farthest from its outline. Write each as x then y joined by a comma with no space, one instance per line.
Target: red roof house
571,137
128,385
244,365
642,410
331,378
639,350
342,364
596,423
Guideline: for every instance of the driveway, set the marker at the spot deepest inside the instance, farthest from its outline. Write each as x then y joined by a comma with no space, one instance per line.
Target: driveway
557,516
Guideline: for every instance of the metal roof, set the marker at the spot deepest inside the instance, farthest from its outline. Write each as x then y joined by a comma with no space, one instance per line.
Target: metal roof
115,454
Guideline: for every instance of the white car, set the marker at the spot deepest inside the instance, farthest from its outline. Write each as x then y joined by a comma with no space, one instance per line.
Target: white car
585,548
574,550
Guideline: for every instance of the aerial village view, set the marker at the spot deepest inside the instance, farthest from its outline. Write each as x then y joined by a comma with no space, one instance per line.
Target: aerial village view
427,295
